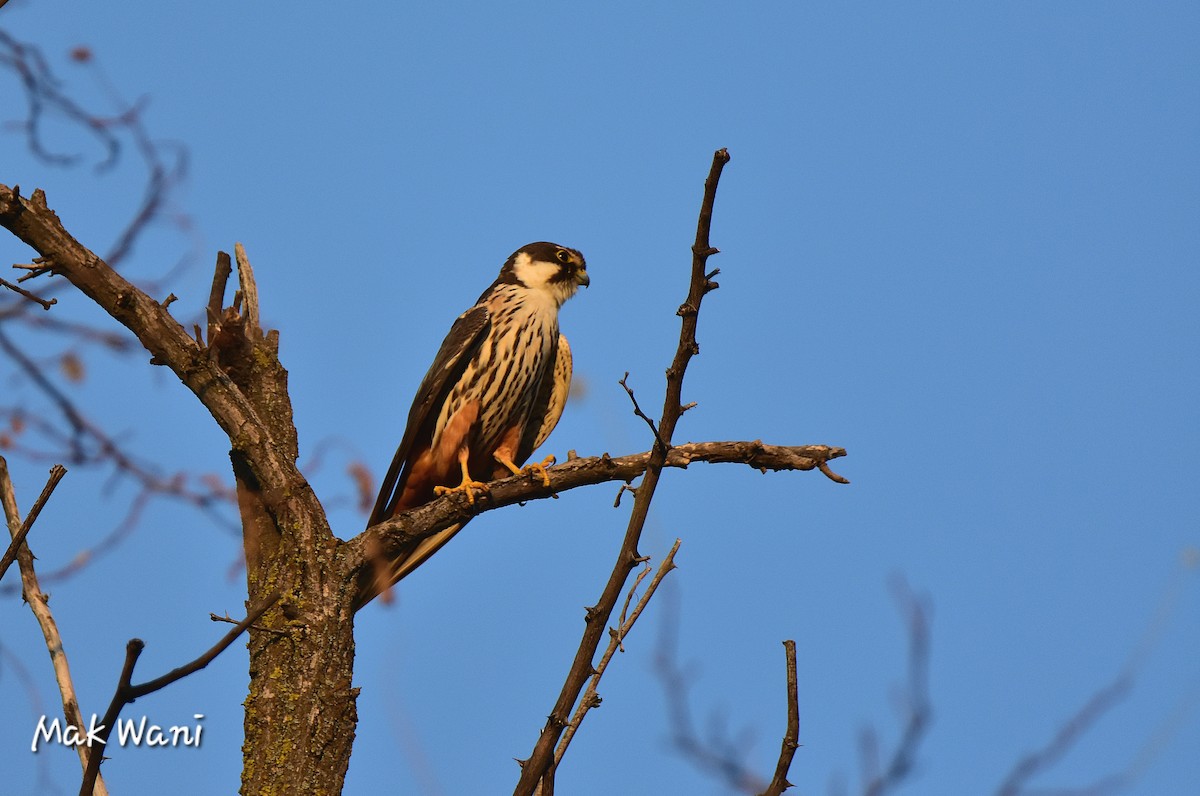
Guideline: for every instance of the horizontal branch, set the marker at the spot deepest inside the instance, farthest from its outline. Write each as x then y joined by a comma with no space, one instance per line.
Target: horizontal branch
388,538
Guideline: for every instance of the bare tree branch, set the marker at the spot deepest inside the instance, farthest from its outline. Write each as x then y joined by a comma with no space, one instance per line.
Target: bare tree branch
11,661
541,761
43,92
119,130
419,523
287,541
637,410
791,737
46,305
39,603
56,474
1069,733
165,164
32,221
84,442
591,698
126,692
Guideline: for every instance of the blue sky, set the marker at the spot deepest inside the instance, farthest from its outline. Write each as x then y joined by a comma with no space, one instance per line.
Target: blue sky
958,239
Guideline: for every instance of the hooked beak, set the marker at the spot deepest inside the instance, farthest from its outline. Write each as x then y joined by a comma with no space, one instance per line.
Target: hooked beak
581,278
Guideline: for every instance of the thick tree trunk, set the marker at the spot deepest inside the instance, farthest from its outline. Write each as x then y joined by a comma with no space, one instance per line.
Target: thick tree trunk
300,712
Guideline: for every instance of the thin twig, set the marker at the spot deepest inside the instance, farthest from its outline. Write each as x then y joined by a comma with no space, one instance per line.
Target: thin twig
541,760
56,474
46,97
624,488
126,692
39,266
87,443
641,576
791,737
12,662
84,443
22,291
617,636
230,620
40,606
637,410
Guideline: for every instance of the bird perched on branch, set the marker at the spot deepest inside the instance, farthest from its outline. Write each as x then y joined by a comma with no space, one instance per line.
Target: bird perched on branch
494,392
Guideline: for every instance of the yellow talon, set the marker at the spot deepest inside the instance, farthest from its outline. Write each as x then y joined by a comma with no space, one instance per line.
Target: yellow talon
468,484
465,487
537,468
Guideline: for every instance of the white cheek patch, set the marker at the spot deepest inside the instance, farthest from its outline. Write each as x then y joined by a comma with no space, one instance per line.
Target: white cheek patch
534,275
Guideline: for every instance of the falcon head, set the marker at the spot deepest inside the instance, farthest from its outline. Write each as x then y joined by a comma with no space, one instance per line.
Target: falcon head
554,270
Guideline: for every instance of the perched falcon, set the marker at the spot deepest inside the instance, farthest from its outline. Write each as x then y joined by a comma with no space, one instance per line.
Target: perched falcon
494,392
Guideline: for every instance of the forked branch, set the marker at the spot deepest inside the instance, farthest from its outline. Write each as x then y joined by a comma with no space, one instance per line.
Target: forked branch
539,768
127,692
617,635
40,606
168,342
10,555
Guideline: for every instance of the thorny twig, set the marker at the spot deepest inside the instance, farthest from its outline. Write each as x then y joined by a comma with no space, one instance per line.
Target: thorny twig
591,698
10,555
539,768
791,736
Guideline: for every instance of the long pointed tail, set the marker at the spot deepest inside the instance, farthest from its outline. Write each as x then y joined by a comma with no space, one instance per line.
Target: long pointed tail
387,573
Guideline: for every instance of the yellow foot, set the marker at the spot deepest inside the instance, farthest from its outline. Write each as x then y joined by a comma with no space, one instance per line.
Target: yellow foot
468,486
537,468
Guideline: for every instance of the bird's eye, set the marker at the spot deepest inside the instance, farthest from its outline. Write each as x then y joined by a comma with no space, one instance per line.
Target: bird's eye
563,256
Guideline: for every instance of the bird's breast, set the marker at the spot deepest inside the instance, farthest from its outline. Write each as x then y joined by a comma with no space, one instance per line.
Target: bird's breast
505,372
